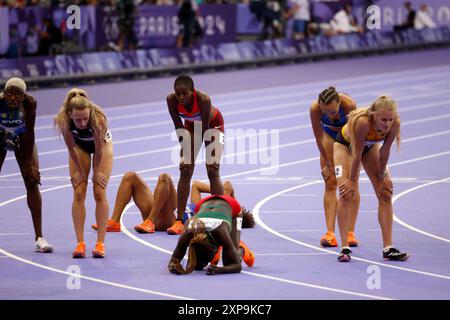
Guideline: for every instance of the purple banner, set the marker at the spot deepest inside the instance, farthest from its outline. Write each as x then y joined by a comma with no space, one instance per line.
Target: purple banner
157,26
394,13
4,30
110,62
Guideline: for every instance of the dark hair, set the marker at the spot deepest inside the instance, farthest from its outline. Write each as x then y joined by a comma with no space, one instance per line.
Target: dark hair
247,219
186,80
329,95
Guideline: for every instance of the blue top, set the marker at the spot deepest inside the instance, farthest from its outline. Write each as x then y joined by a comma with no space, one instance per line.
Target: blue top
84,138
328,125
12,120
189,212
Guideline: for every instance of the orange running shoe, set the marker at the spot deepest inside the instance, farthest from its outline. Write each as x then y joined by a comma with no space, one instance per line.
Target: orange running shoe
99,251
112,226
80,251
248,256
215,260
329,240
352,242
145,227
176,228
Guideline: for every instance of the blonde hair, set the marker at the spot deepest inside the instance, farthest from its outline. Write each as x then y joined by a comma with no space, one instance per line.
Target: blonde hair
199,239
79,100
16,83
380,104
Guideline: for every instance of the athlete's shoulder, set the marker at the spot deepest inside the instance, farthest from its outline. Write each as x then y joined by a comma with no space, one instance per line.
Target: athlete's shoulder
171,100
314,106
347,102
362,124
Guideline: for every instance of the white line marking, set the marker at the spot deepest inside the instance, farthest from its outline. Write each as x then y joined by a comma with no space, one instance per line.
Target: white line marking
399,221
290,254
256,214
148,244
256,211
358,79
113,284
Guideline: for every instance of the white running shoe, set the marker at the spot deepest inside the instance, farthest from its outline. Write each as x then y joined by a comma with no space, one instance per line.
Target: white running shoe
43,246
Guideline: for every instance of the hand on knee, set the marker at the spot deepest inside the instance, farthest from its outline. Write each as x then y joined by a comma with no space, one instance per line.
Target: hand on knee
331,184
213,171
186,171
99,194
385,195
100,179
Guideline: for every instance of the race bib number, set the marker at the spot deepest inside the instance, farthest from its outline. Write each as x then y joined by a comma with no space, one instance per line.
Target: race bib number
239,224
338,171
108,136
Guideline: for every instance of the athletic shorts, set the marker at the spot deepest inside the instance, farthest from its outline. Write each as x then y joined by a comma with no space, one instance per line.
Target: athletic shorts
340,139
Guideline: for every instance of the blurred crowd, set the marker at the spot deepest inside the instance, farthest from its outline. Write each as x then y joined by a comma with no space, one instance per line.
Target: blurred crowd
278,19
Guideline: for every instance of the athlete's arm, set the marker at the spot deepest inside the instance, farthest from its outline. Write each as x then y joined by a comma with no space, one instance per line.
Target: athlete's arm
347,102
231,263
386,147
100,145
362,127
204,103
30,119
315,115
172,106
70,143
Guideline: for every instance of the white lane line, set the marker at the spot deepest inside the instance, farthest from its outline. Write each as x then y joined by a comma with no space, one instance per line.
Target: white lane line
415,229
265,98
257,208
342,81
256,217
290,254
109,283
227,156
309,285
150,124
308,211
97,280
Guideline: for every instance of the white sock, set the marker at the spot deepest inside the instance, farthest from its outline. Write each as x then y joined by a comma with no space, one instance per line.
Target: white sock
387,248
345,248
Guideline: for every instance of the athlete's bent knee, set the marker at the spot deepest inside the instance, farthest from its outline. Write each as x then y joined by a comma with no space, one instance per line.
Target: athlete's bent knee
385,195
165,177
212,171
130,177
331,184
99,194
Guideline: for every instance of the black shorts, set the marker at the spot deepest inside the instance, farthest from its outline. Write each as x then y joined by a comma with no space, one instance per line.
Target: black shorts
86,146
340,139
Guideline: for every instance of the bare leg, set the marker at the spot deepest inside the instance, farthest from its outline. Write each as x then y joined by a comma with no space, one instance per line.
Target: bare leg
79,194
329,196
34,199
213,164
186,172
371,165
342,157
165,202
199,187
133,186
102,205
